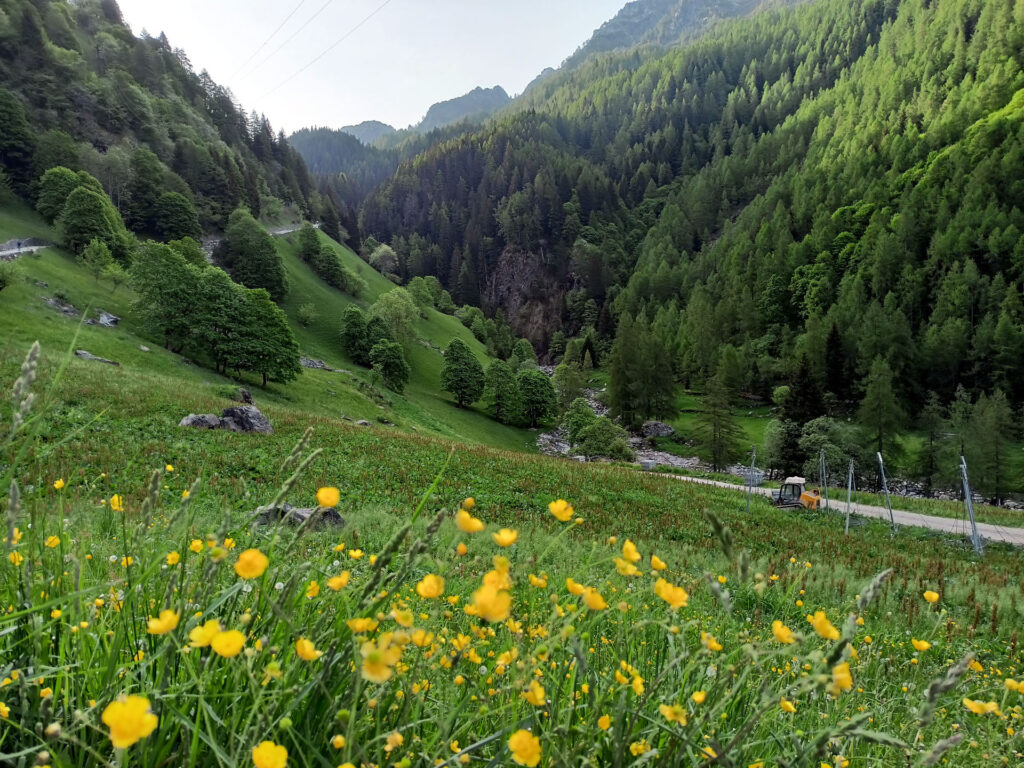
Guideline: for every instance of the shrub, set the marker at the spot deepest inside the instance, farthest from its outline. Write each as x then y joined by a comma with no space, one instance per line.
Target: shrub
603,437
307,315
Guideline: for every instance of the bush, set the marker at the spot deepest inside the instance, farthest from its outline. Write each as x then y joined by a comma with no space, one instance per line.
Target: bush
8,274
579,416
307,315
603,437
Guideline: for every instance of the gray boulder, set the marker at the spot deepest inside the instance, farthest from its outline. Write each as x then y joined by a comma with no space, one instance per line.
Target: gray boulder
321,518
657,429
246,418
89,356
242,418
200,421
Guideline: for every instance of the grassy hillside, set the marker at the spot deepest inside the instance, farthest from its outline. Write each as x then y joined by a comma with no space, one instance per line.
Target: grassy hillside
24,317
459,686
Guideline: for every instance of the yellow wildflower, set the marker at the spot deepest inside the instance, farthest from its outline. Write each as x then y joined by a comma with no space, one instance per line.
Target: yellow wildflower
525,748
167,622
561,509
269,755
129,720
430,586
228,644
306,650
782,633
506,537
251,564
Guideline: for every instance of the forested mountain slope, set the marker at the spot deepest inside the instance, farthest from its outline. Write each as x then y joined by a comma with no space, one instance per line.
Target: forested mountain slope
837,179
78,89
662,22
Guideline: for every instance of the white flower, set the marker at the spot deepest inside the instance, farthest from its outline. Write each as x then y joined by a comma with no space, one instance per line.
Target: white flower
279,586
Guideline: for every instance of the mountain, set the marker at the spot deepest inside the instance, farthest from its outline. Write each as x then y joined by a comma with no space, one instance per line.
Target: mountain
477,105
80,90
369,131
664,23
831,183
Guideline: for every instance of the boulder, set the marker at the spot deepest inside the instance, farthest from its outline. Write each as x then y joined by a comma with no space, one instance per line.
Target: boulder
200,421
246,418
657,429
108,320
243,418
362,423
143,348
88,356
323,518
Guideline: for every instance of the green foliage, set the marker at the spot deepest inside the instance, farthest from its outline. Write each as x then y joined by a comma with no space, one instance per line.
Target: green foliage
55,186
308,315
174,218
190,250
251,257
201,310
718,432
56,148
604,438
462,374
388,361
538,396
114,274
523,355
880,411
578,417
354,339
568,383
96,258
8,274
384,259
398,312
17,142
88,215
641,384
501,393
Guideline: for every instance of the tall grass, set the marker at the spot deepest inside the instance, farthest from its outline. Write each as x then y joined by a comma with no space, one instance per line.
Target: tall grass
427,636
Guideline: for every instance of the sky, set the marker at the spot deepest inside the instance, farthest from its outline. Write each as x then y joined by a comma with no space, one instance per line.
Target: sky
405,56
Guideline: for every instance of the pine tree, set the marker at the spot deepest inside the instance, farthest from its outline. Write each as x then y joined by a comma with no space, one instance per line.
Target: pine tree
718,431
932,425
462,375
568,383
880,412
992,432
17,142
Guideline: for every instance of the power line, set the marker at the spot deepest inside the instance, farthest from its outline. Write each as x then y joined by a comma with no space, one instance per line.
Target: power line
331,47
292,37
271,37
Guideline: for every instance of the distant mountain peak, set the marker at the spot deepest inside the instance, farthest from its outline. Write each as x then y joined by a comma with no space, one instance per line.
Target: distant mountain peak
369,131
478,104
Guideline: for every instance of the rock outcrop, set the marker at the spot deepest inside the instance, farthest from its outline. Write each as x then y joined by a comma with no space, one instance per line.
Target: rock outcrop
242,418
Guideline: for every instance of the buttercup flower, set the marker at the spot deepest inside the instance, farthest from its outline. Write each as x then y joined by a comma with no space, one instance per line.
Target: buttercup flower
339,582
306,650
467,523
251,564
604,722
59,484
535,694
117,503
787,705
506,537
173,558
823,626
842,680
675,596
52,542
783,633
525,748
202,636
931,597
167,622
981,707
328,497
629,552
920,645
228,644
129,720
561,509
594,600
492,604
269,755
430,586
674,713
657,563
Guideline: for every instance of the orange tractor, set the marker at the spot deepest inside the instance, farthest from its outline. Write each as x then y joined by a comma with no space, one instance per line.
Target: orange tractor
793,494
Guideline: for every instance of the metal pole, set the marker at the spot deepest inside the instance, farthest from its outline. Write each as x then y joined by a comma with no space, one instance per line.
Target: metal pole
823,468
750,475
849,494
975,538
885,487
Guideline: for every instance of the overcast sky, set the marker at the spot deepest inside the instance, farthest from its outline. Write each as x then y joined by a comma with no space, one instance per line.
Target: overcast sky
409,55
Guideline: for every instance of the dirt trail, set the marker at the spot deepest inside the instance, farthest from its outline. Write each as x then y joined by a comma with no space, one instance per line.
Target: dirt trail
950,525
